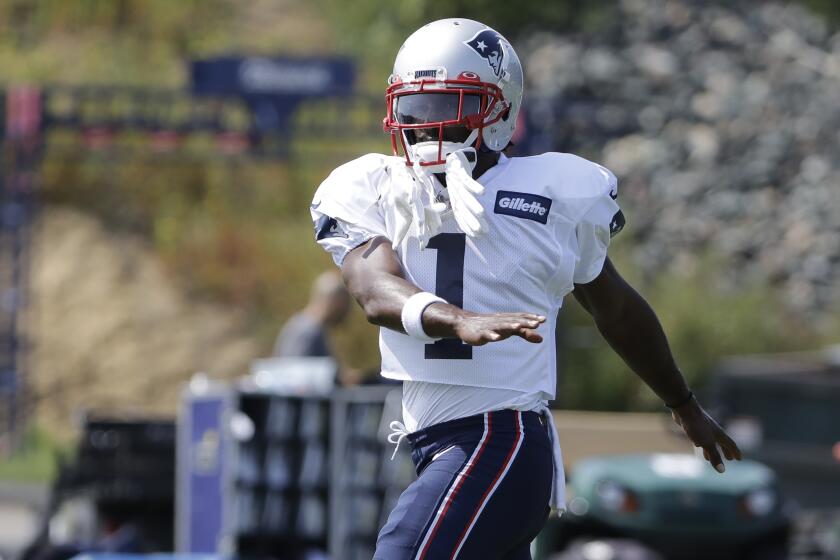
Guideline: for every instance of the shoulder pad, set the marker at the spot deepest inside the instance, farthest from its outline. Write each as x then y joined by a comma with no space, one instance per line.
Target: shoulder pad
575,182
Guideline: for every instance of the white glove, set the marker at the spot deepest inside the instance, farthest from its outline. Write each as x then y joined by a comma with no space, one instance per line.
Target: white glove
414,218
403,215
434,213
463,192
428,216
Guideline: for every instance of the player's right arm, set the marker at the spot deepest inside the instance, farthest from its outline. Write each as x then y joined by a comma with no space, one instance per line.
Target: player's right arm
373,275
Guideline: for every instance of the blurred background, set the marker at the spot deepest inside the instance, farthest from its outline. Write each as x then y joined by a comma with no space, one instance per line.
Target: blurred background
159,158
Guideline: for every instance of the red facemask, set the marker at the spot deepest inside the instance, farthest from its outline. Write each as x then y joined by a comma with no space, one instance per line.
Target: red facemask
442,111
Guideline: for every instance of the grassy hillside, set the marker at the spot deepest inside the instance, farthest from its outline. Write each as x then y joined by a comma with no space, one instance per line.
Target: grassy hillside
230,233
145,42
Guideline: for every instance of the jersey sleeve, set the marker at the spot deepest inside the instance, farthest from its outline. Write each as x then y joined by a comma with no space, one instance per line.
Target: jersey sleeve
602,221
345,209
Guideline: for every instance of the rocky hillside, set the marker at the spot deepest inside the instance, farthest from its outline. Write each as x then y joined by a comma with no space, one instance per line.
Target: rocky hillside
110,330
721,121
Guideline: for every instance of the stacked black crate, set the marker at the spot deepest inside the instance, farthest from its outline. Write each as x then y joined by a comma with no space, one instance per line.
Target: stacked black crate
126,468
281,477
367,476
313,476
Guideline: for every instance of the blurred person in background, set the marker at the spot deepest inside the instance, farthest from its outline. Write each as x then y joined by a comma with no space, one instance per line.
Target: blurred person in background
306,333
460,283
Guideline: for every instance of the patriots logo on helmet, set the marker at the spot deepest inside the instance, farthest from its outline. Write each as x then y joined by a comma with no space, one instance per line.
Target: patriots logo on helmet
488,44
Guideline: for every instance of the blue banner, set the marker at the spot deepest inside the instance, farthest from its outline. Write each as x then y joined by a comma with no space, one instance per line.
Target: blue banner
273,86
275,76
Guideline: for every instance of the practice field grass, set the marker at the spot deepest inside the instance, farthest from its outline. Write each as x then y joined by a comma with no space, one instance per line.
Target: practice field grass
37,461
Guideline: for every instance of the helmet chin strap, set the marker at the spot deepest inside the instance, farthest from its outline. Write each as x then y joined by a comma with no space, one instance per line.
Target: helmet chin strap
423,152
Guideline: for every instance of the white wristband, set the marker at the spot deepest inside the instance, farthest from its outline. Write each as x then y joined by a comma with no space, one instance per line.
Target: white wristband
412,314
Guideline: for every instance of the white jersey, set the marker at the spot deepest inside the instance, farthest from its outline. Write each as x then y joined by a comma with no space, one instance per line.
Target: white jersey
549,218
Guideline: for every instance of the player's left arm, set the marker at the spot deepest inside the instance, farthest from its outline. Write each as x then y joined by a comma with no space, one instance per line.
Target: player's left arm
631,328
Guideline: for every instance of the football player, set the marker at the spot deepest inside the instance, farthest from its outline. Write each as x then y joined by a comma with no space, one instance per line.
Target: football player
463,257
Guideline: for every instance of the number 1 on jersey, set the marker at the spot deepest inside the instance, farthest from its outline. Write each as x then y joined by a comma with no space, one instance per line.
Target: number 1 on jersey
449,285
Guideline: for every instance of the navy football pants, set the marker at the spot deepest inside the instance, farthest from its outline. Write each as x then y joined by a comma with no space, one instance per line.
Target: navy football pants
482,490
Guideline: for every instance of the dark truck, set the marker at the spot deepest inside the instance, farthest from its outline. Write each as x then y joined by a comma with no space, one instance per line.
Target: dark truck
784,410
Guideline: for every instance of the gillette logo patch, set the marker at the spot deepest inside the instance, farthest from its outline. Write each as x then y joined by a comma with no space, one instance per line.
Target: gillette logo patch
523,205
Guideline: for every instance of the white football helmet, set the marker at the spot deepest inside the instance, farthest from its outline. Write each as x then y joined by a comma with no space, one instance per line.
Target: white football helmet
456,84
